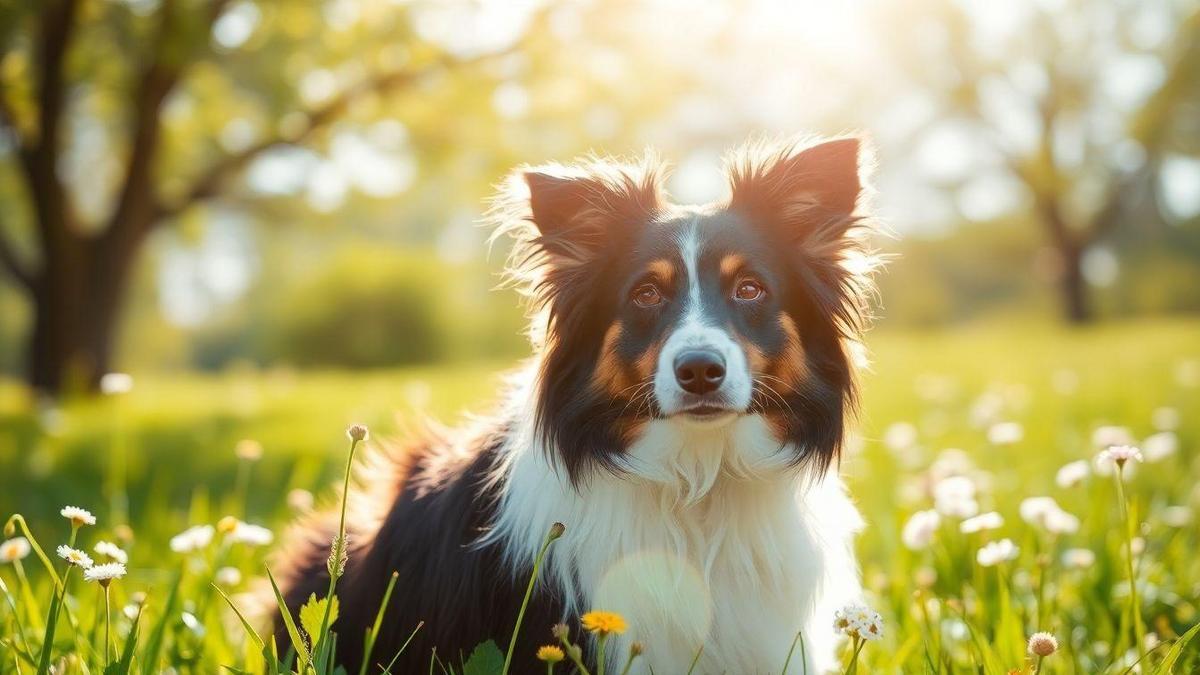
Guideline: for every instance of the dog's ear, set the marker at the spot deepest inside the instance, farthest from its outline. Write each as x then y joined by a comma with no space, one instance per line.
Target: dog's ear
566,216
810,198
787,181
567,211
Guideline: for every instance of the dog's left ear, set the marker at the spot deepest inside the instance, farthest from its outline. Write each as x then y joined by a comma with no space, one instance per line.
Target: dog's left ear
811,198
797,185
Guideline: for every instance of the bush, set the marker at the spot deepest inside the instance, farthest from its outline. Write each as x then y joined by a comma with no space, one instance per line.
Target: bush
367,308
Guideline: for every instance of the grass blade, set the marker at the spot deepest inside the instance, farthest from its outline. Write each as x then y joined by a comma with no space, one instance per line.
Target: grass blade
241,617
154,647
289,623
373,634
1168,662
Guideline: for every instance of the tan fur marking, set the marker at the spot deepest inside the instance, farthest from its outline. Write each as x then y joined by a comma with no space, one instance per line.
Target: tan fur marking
662,270
609,374
730,264
791,365
644,366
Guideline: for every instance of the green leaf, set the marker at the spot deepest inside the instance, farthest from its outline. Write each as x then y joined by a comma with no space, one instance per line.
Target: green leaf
1168,662
486,659
311,615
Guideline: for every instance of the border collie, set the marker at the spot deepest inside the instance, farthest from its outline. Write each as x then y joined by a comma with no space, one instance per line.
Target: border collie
683,415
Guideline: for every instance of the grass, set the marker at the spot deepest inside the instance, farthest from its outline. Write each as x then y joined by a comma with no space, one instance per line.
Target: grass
175,435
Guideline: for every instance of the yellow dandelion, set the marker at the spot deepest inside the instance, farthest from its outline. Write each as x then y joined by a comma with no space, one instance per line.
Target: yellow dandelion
550,654
603,623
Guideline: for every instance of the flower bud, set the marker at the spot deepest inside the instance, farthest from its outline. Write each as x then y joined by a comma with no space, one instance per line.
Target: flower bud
1042,644
358,432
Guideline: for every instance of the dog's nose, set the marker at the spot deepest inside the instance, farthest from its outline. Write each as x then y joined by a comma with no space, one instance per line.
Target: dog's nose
699,371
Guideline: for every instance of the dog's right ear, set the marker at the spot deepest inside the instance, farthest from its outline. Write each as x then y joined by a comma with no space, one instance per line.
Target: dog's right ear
568,213
563,218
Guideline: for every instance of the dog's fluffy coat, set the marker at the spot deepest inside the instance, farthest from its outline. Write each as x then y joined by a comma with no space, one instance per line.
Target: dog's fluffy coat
707,519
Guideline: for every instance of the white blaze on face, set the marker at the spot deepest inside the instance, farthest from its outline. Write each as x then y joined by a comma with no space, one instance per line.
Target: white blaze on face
699,330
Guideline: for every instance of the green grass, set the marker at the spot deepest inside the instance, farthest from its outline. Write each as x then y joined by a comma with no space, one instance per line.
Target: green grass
942,611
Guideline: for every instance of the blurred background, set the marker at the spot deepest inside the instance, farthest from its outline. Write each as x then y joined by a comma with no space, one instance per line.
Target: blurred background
206,184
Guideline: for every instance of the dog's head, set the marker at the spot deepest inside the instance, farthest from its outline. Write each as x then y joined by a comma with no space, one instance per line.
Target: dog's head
697,315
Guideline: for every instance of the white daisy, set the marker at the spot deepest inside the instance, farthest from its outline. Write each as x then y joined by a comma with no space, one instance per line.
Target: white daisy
1045,513
1072,473
252,535
919,530
1160,446
1079,558
955,497
111,550
116,383
1118,455
192,539
300,500
104,574
900,436
74,556
78,517
858,621
228,576
14,549
1005,433
996,552
981,523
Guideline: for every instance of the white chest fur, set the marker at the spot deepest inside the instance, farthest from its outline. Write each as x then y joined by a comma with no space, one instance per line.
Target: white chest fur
709,539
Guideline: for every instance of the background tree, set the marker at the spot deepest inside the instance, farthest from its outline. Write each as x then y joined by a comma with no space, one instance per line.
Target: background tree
75,68
1078,104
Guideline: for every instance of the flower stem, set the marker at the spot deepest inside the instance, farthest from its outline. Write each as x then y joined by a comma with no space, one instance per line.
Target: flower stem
339,552
1134,604
791,649
600,656
107,629
1037,668
852,669
554,533
568,648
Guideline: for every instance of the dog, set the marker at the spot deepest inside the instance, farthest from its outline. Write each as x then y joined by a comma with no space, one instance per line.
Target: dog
683,414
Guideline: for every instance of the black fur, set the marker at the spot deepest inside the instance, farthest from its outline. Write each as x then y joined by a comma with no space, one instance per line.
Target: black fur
462,592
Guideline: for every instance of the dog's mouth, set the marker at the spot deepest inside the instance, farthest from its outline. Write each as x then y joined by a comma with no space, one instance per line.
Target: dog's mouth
707,411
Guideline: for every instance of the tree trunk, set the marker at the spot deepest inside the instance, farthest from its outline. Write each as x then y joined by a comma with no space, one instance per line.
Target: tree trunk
77,310
1076,304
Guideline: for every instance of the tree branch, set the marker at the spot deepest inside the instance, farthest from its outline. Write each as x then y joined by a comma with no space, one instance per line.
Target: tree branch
210,181
136,206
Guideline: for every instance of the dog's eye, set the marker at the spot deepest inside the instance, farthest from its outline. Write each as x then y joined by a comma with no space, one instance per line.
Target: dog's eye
647,295
749,290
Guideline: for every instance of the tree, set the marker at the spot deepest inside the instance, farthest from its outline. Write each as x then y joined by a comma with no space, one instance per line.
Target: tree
1088,162
76,268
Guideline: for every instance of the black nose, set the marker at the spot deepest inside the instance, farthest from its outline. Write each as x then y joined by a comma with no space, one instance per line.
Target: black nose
700,371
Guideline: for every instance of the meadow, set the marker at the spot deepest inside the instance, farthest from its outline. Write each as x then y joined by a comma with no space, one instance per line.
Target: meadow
956,425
